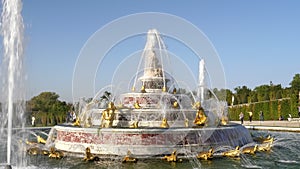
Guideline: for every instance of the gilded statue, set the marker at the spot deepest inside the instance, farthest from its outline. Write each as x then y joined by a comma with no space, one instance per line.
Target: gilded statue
232,153
200,118
250,150
206,155
33,151
262,139
134,124
128,158
40,139
175,105
108,116
172,157
55,154
264,147
89,156
143,90
137,105
186,122
164,123
77,122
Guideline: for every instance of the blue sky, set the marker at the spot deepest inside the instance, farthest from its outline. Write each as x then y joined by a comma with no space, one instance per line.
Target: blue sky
257,41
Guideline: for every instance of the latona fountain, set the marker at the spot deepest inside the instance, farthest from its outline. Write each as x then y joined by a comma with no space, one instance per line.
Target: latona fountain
152,118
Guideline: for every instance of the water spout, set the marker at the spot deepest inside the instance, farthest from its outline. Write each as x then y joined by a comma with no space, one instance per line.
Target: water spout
201,86
12,31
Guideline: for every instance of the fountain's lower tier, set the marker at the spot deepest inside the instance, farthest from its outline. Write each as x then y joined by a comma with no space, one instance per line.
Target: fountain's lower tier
146,141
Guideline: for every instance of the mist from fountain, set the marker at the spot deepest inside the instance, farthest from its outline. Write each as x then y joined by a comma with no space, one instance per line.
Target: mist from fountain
12,29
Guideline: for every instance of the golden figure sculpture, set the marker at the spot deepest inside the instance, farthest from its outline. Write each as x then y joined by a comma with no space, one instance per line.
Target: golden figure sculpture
174,91
262,140
206,155
172,157
175,105
186,122
196,105
232,153
45,152
77,122
29,142
164,123
164,89
137,105
108,116
89,156
135,124
264,147
33,151
224,120
128,158
143,90
40,139
55,154
200,118
250,150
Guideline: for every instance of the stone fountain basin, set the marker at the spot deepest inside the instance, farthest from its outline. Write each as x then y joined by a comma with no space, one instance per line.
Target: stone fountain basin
146,141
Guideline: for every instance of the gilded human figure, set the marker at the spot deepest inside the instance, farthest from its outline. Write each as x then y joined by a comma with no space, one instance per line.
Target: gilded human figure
200,118
108,116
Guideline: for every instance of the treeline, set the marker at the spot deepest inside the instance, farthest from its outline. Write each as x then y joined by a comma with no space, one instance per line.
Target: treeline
272,99
47,109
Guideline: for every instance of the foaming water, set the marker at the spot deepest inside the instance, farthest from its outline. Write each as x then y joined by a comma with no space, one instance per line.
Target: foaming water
13,95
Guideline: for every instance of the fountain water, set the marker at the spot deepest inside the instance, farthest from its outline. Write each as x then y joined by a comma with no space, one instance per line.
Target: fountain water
12,32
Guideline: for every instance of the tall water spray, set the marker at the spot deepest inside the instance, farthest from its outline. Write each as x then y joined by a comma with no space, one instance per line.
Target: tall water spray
201,86
12,28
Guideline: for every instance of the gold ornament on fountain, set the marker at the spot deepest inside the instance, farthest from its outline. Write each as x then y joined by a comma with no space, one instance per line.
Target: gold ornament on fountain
175,105
55,154
40,139
206,155
262,140
250,150
174,91
133,88
135,124
186,122
200,118
137,105
108,116
164,89
264,147
172,157
128,158
143,90
33,151
89,156
164,123
77,122
196,105
232,153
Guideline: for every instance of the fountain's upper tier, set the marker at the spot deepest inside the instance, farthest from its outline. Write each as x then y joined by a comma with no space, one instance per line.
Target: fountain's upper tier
154,55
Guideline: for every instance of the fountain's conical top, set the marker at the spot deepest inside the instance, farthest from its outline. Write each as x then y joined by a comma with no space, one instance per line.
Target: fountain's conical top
153,55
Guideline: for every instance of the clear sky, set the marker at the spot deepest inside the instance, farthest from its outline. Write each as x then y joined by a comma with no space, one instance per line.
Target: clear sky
257,41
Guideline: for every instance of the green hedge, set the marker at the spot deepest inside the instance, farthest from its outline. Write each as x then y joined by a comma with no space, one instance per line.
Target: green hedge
271,109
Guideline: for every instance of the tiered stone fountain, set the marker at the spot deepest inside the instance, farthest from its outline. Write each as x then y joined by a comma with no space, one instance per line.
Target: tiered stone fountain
152,119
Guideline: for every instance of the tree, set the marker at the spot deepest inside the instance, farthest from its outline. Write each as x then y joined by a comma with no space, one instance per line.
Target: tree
48,108
295,83
242,94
